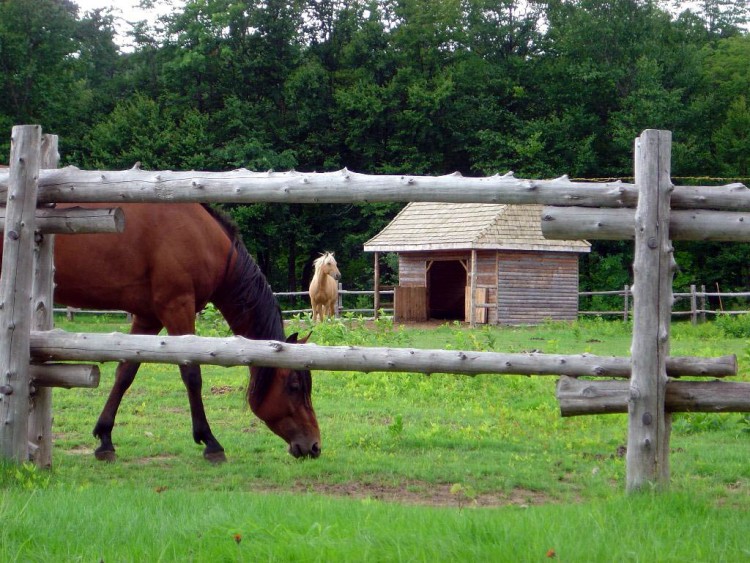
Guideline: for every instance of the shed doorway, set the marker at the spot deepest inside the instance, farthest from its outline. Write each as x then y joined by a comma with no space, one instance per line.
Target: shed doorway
446,288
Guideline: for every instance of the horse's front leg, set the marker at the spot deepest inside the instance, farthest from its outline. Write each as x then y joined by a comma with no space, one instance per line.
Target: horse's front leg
124,376
191,376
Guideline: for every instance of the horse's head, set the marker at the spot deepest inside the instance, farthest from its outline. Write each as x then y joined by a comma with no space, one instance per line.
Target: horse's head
331,268
281,398
327,264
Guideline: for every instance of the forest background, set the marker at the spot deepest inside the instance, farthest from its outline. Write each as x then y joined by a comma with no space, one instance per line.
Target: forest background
542,88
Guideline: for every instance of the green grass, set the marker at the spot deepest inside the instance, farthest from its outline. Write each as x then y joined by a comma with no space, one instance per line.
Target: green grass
414,467
133,524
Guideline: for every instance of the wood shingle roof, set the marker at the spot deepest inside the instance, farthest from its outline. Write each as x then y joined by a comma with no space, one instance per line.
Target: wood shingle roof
437,226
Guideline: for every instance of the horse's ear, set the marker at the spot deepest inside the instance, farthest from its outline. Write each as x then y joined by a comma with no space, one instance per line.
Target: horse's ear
293,338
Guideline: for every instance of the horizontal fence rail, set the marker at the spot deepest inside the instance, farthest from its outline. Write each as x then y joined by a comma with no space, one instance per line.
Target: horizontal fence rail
59,345
72,185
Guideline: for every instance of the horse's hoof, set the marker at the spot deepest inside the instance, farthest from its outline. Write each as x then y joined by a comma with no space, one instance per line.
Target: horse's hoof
215,457
105,455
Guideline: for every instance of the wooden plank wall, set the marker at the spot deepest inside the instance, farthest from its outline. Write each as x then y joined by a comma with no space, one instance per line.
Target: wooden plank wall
533,286
410,304
410,296
537,286
487,264
412,269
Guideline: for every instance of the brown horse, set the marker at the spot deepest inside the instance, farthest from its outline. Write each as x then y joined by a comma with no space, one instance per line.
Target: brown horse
169,263
324,288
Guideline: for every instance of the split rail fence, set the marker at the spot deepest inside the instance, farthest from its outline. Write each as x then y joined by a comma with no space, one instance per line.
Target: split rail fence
698,304
698,299
643,385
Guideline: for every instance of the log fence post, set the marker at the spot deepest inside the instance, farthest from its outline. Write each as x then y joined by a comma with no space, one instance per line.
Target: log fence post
376,285
15,291
626,301
40,417
649,424
693,305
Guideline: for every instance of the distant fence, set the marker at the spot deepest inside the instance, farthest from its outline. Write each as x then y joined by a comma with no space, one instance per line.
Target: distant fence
344,305
696,303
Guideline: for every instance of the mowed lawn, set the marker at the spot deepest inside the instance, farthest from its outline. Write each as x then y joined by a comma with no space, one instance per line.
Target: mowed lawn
414,467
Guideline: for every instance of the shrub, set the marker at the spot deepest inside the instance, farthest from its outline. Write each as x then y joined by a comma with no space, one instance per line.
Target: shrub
734,326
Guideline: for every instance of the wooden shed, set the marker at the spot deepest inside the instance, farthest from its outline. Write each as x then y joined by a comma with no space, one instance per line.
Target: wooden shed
446,250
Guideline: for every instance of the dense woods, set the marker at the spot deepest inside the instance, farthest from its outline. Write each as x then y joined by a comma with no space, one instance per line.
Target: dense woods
543,88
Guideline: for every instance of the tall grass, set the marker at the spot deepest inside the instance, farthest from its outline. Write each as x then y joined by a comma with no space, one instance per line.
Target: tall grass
135,524
440,468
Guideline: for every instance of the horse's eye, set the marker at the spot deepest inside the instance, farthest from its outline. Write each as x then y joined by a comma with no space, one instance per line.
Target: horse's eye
293,383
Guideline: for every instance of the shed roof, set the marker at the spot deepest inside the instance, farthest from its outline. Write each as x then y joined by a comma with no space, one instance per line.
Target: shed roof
440,226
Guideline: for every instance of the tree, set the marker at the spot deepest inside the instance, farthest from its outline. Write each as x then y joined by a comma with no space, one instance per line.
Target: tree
39,67
140,131
721,18
732,140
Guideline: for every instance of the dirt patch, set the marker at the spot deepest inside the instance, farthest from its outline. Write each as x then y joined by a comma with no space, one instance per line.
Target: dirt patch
429,495
152,459
80,450
430,324
223,389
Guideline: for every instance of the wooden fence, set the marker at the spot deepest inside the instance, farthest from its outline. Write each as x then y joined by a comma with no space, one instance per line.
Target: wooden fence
282,296
697,301
649,396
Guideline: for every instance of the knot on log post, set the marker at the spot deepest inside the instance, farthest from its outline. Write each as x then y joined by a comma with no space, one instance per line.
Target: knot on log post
6,390
634,394
589,392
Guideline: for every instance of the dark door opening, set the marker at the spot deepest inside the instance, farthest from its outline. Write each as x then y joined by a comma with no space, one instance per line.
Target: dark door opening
446,287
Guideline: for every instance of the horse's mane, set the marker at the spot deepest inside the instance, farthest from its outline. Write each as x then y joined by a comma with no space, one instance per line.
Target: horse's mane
225,220
247,302
322,259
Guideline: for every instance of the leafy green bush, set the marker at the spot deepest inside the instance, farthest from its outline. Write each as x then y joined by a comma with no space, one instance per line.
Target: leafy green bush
734,326
696,422
352,330
26,476
211,323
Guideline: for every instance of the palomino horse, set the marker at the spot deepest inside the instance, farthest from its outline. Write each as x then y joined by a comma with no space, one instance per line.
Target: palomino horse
169,263
324,287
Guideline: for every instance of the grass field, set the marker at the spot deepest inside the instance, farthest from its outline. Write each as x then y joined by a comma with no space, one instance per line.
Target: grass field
414,467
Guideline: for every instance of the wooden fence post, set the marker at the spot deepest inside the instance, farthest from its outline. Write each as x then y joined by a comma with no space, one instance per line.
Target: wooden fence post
626,300
649,424
473,290
693,305
15,291
339,300
376,285
40,417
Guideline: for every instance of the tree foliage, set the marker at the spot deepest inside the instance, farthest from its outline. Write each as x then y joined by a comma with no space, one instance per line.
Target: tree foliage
540,87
